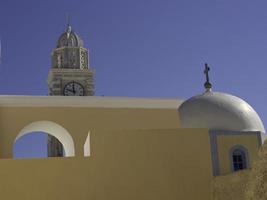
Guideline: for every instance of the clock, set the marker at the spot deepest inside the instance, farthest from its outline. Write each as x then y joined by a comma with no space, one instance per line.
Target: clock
73,89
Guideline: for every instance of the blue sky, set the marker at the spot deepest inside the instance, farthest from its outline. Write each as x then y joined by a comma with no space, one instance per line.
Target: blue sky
142,48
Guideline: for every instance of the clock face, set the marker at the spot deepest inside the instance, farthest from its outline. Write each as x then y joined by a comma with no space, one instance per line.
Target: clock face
73,89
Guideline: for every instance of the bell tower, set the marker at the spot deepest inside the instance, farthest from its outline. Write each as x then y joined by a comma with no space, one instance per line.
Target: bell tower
69,75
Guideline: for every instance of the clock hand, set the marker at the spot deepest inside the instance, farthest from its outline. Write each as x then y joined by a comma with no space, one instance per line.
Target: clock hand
69,90
73,89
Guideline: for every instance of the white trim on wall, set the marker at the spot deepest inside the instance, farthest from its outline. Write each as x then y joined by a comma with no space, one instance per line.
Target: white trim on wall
88,101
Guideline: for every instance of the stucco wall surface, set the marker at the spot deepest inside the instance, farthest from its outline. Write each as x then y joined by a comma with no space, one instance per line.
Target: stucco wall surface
79,121
141,164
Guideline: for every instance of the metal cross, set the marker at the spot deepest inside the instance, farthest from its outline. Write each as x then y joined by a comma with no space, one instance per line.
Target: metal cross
206,71
207,84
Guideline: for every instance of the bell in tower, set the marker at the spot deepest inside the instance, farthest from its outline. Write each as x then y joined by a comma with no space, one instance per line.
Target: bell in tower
69,75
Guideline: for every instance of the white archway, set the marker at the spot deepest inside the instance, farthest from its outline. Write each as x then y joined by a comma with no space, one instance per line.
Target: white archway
53,129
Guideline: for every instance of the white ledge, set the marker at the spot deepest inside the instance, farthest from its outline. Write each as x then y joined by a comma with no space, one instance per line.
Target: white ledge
88,101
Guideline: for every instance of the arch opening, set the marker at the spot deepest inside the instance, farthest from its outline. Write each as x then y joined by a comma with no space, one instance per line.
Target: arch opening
32,145
49,128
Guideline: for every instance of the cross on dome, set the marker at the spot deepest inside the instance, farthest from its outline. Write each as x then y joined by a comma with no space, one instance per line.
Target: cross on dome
207,84
68,29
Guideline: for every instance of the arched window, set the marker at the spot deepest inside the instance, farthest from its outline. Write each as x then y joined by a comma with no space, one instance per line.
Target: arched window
239,158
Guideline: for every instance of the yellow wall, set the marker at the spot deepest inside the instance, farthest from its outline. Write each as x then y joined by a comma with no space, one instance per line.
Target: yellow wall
142,164
78,121
135,154
226,142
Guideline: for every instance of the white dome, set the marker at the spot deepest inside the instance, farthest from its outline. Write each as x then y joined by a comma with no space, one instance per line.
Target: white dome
219,111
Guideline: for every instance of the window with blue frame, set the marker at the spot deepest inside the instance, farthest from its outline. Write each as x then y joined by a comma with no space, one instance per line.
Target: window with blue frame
239,159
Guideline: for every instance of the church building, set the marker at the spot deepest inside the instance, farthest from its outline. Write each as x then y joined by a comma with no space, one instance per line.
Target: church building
118,148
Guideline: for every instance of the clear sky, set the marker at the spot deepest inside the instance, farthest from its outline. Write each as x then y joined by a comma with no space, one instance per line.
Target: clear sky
142,48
